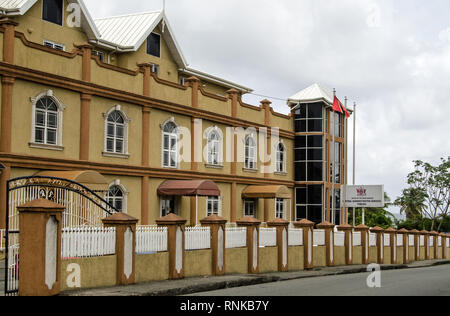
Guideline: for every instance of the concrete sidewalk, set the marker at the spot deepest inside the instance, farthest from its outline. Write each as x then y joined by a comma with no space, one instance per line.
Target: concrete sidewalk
206,284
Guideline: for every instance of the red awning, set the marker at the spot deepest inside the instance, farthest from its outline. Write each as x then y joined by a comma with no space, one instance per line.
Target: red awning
188,188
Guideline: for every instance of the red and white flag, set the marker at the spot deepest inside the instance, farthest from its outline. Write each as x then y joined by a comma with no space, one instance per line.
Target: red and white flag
338,107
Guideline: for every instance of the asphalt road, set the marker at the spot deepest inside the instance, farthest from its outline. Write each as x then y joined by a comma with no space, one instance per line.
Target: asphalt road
432,281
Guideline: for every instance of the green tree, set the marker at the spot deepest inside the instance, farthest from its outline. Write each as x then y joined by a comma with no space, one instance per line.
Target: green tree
375,216
434,181
412,203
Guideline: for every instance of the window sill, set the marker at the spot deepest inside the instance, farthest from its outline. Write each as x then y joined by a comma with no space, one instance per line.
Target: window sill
168,167
250,170
213,166
115,155
46,146
278,173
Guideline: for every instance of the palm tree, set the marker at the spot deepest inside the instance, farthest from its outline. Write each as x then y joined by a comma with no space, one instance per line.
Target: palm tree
412,203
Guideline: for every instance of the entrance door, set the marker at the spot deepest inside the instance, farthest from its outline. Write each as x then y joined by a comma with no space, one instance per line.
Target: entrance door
168,206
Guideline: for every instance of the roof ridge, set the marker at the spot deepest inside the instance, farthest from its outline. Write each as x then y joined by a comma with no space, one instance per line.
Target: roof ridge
128,15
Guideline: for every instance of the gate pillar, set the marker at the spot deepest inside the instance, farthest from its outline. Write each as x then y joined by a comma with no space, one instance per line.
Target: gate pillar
40,248
125,246
175,244
308,242
282,228
217,226
252,225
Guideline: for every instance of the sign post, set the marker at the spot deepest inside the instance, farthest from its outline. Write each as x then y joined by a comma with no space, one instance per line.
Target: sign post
363,196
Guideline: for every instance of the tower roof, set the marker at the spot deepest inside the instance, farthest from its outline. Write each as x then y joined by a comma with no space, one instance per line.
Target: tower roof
314,93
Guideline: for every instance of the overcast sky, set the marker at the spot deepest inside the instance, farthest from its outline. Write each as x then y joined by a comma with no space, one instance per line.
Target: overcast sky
392,57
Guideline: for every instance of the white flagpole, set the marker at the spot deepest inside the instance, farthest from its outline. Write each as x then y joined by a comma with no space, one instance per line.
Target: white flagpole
345,162
333,173
354,157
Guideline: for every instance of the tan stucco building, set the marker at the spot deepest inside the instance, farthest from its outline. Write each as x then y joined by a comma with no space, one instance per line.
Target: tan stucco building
110,95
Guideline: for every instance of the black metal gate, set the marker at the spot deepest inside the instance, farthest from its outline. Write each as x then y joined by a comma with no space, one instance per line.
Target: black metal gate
84,207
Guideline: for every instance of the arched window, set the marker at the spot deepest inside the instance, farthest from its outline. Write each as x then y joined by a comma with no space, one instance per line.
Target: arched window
250,153
47,120
117,197
214,148
280,158
170,145
116,132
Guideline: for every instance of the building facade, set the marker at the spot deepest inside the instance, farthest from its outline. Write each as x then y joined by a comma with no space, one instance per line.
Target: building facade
115,96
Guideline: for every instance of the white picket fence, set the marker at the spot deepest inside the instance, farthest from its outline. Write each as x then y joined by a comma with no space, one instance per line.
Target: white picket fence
339,239
2,239
85,242
295,237
235,237
267,237
197,238
319,237
151,239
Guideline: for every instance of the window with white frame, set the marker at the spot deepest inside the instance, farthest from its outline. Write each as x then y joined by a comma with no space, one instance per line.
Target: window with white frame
214,205
250,153
170,145
280,158
100,55
116,197
249,208
54,45
280,208
47,120
116,138
214,148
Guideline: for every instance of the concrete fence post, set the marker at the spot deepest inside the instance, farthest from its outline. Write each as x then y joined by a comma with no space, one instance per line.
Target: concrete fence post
175,244
405,236
217,227
40,248
329,242
252,225
308,242
435,244
282,227
416,234
380,243
125,226
364,242
444,246
426,237
348,230
393,243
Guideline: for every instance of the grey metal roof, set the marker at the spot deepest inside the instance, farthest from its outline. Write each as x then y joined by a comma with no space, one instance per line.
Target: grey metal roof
128,30
123,33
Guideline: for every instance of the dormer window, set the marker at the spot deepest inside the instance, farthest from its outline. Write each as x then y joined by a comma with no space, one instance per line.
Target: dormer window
154,45
52,11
